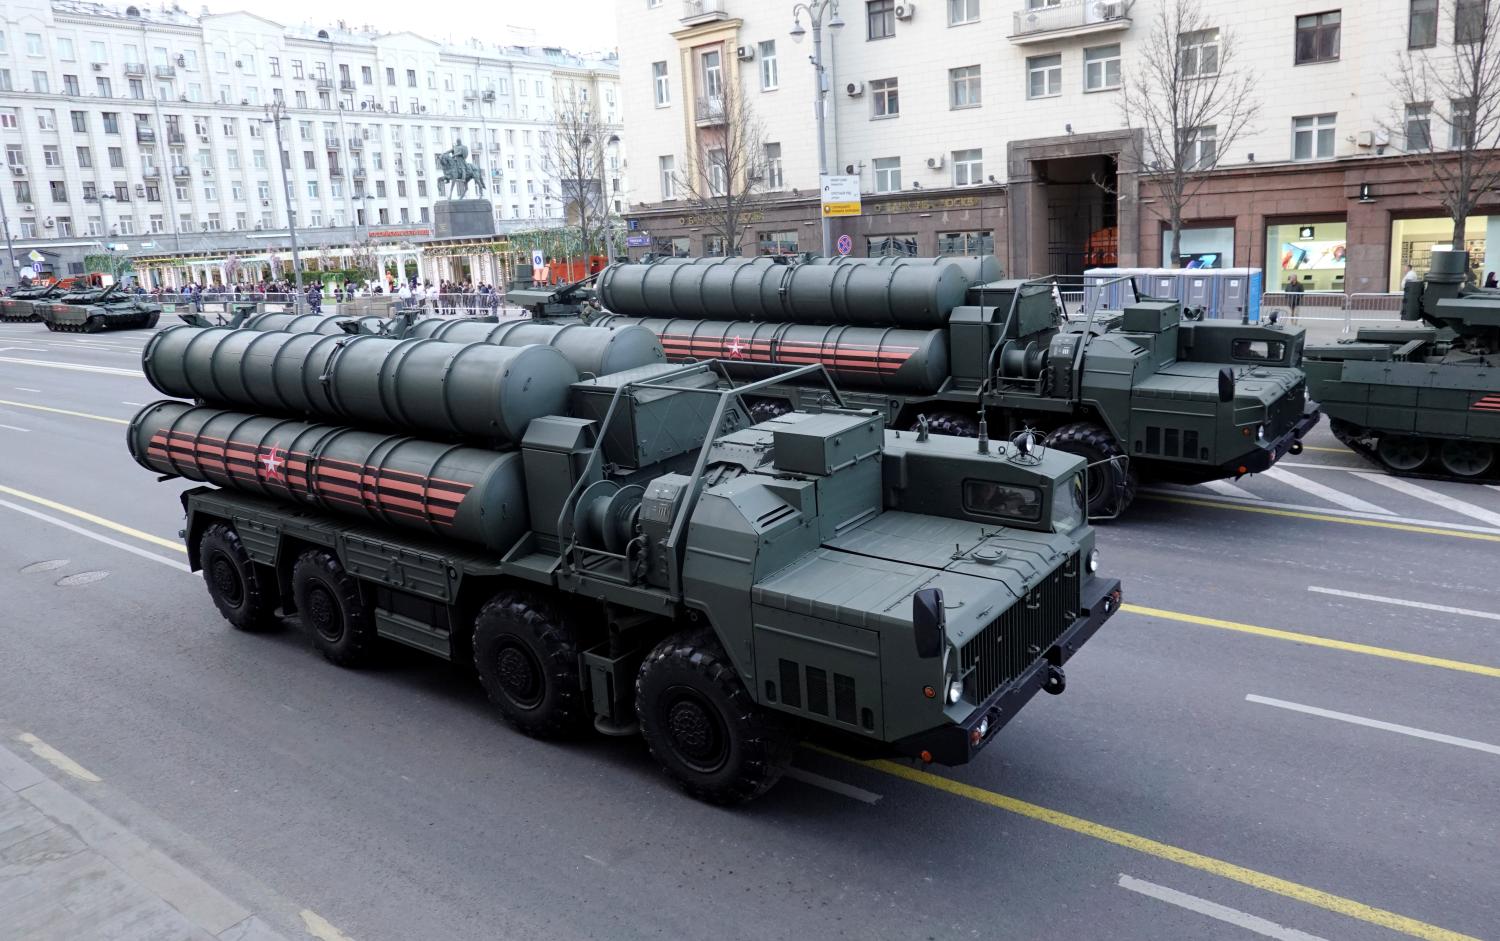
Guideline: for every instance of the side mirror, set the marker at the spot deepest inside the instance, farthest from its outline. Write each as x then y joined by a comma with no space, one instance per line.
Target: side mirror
1226,384
928,621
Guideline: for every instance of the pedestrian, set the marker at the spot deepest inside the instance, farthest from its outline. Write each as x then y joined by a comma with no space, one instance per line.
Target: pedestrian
1294,295
1490,282
1410,276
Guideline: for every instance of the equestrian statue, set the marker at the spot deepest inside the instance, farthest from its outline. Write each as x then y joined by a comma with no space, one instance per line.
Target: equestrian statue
458,172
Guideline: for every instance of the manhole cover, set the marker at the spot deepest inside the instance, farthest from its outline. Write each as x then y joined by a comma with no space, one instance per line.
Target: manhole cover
46,566
82,578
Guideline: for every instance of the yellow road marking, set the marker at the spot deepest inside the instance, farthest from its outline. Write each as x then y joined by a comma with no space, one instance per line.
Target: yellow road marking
63,411
1308,447
320,927
1327,518
1313,640
56,758
96,520
1140,844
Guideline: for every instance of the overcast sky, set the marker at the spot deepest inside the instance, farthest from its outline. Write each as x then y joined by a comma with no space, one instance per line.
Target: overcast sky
580,25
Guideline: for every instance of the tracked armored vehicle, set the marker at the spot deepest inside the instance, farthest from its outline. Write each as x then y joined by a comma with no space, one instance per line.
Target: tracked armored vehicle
22,304
630,553
1421,400
1143,392
98,309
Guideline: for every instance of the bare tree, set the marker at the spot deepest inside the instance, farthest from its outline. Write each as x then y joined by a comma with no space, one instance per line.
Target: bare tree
574,154
728,172
1458,82
1189,103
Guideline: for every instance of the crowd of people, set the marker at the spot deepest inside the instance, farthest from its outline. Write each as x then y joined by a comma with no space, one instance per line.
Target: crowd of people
441,297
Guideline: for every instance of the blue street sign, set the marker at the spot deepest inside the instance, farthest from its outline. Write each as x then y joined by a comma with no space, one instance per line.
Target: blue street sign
846,244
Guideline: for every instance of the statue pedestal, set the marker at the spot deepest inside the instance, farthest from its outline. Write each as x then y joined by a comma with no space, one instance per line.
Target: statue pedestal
463,218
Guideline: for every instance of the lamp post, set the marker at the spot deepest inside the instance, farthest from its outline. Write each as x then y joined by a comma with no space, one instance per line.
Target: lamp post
608,228
13,270
275,114
815,10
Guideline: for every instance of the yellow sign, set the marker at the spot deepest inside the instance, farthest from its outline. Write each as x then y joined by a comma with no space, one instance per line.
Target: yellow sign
841,209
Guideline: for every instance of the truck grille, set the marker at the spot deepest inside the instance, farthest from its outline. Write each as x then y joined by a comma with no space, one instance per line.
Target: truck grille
1016,639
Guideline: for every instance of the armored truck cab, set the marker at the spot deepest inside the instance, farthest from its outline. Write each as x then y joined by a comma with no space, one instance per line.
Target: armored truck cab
646,558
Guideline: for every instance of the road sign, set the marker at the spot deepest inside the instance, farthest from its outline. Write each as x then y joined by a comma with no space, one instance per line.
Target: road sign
638,241
36,267
840,195
846,244
537,258
35,255
632,224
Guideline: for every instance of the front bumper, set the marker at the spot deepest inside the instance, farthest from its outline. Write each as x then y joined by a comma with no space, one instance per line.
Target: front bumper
957,744
1263,456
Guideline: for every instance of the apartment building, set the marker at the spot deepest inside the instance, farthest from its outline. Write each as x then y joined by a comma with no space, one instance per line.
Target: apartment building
991,125
147,131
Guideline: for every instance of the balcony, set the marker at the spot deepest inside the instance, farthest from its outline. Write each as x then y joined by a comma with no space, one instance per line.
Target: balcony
702,11
356,143
165,71
151,173
176,137
1048,22
181,172
336,173
346,85
324,83
135,69
332,140
709,112
359,173
145,135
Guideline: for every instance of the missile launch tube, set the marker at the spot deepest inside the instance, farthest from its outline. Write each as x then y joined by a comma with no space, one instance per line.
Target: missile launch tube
894,360
592,351
977,269
489,392
296,323
917,296
456,492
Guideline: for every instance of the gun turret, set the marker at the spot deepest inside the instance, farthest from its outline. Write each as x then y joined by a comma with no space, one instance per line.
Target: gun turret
1445,299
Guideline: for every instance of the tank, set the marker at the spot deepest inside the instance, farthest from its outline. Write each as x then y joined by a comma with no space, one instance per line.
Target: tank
977,269
425,386
913,296
592,352
865,357
469,494
330,324
23,304
1421,399
97,309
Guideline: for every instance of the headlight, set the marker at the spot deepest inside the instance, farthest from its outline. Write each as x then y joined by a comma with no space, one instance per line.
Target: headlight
1260,431
984,726
955,691
1093,561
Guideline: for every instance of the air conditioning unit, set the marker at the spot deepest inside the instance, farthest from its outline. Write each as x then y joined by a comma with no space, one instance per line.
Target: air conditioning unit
28,208
934,163
239,63
364,106
208,172
244,101
203,138
1365,139
50,223
18,171
265,203
854,89
140,189
1109,9
182,62
98,66
905,10
744,53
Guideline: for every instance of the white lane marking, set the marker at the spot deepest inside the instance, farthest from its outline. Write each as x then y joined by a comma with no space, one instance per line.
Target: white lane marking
23,349
1458,506
829,784
1376,724
136,404
320,927
15,428
1323,491
56,758
1189,493
97,537
1228,489
79,367
1214,910
24,389
1425,606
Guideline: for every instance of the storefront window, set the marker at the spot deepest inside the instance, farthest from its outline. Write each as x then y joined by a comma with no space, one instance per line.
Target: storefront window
1310,253
890,246
778,243
713,246
966,243
1412,241
1201,248
679,247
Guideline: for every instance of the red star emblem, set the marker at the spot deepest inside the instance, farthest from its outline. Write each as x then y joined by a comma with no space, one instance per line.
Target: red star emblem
736,349
273,463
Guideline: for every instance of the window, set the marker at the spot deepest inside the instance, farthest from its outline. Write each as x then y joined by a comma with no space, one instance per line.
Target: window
774,177
963,87
880,19
887,174
111,122
101,84
962,11
1200,52
411,78
39,83
668,170
312,189
275,63
1312,137
776,243
885,98
1202,149
70,86
7,117
116,158
46,119
1468,20
80,121
65,226
1461,125
1101,68
1258,351
65,49
718,177
22,191
1418,127
51,156
366,75
663,90
85,157
59,191
126,225
1044,76
34,44
968,167
1318,38
713,74
28,227
770,75
1006,501
1421,26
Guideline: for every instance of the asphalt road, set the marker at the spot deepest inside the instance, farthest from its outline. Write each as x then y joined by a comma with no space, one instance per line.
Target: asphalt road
1292,732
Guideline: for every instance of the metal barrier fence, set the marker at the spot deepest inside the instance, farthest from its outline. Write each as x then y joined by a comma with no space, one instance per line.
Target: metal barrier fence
1372,307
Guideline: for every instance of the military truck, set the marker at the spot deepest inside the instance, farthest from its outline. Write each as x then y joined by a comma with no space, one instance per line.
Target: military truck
630,553
1146,391
21,305
1424,399
95,309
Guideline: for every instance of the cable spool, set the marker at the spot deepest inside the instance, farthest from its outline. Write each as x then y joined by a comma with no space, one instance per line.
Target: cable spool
1022,359
605,517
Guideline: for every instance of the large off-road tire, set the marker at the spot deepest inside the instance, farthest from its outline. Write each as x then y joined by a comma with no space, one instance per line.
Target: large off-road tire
232,579
1112,486
702,725
331,606
526,656
950,423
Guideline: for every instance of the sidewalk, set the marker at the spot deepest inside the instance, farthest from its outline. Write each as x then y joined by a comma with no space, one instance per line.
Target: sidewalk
68,872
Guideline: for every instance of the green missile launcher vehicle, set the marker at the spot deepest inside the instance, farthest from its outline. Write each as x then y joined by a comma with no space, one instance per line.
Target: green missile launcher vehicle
23,304
1420,400
630,553
98,309
1147,392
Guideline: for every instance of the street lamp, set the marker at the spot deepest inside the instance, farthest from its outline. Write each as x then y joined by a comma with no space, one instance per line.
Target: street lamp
275,114
13,270
609,236
815,10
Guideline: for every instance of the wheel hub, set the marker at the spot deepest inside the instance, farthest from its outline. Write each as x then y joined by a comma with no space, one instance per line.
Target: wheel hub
1467,458
696,732
323,613
226,580
1401,452
519,676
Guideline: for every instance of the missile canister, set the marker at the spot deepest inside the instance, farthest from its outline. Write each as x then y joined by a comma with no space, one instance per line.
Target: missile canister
592,351
296,323
914,361
977,269
462,493
425,386
862,295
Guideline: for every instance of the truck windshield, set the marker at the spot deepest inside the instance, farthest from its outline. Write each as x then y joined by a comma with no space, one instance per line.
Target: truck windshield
1068,506
1009,501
